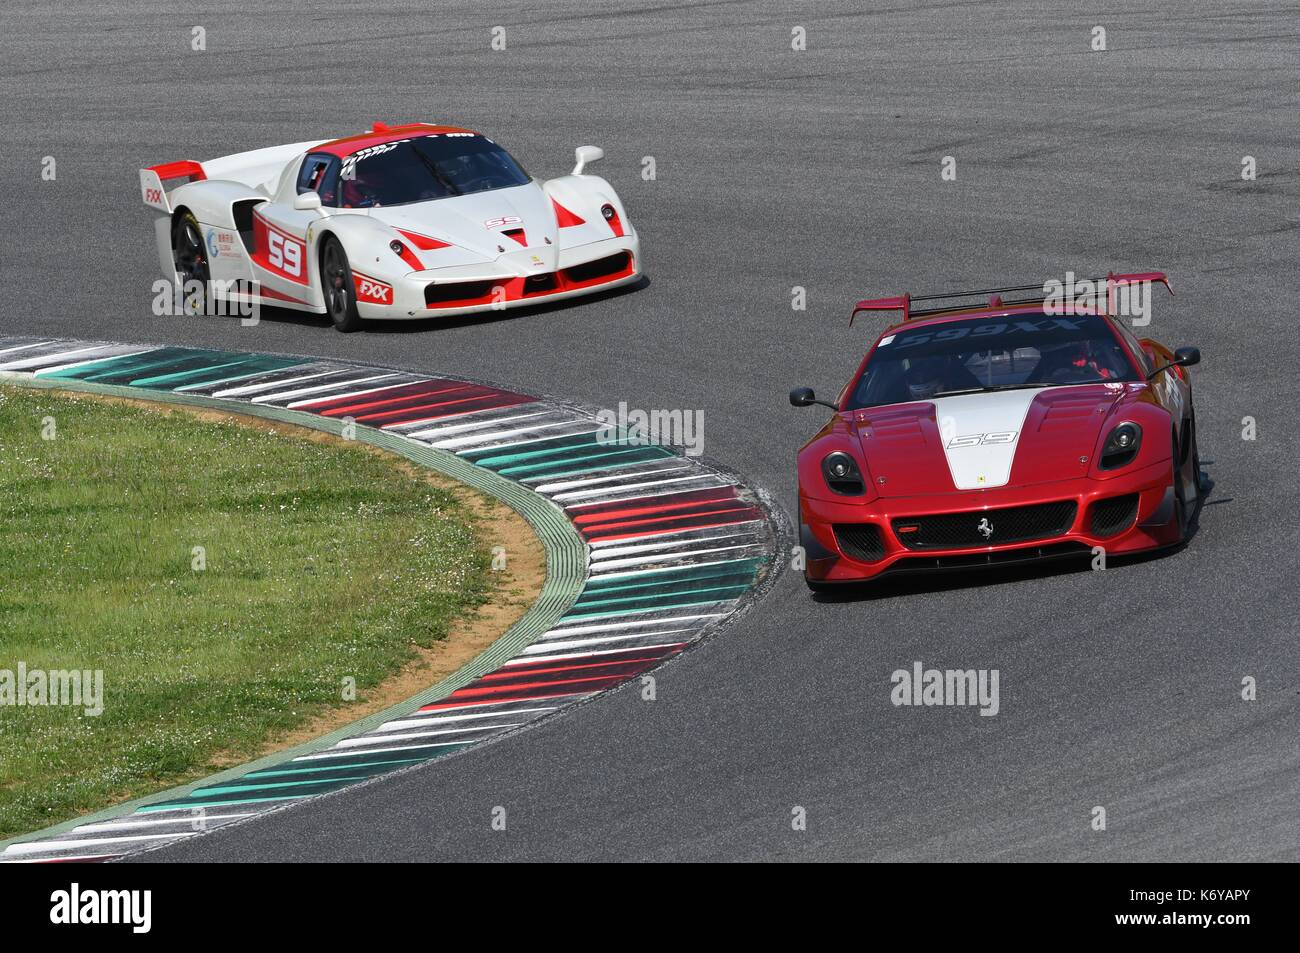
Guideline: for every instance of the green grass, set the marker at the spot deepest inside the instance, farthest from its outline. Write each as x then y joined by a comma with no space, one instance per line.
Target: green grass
324,562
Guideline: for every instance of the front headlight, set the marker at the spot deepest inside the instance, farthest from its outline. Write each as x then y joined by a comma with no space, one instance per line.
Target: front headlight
842,474
1121,446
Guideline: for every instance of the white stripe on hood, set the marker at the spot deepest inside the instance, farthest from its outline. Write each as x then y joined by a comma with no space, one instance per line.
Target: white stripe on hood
980,433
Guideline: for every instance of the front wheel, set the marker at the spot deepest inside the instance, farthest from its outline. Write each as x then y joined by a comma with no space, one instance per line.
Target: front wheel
1185,509
337,285
1196,464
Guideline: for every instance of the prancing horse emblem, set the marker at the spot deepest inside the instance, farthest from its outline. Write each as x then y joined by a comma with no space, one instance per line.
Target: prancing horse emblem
985,528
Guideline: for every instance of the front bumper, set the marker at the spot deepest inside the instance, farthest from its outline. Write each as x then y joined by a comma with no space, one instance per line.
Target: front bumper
587,269
850,542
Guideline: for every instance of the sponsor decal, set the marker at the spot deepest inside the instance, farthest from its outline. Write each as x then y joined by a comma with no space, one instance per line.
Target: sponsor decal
151,189
371,290
349,171
988,330
220,242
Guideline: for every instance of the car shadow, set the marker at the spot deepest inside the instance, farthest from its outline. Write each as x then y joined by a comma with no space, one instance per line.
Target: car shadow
890,587
435,323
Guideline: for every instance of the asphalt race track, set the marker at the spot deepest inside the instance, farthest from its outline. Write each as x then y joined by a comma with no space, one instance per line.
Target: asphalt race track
778,168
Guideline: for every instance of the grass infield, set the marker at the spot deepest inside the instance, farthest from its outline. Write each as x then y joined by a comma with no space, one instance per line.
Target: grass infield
322,565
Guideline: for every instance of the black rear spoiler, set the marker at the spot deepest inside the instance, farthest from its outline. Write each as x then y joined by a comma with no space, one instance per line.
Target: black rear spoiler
905,301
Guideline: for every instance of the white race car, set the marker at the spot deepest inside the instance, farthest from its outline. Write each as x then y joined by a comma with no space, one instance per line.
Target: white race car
407,221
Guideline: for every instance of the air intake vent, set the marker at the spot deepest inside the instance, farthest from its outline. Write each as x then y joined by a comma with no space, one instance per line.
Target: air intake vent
860,541
1114,515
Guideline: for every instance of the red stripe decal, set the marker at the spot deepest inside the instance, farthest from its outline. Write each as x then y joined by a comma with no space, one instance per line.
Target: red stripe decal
423,242
564,218
266,292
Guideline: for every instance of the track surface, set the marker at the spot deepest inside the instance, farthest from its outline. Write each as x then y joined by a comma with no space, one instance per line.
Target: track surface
779,168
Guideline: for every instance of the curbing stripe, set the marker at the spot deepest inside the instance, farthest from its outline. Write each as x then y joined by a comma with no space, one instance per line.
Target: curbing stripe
706,544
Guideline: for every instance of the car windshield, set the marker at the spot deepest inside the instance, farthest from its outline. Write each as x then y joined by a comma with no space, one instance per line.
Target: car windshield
983,354
428,167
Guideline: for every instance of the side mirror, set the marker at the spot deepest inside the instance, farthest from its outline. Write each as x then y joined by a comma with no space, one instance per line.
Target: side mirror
306,201
804,397
1183,357
586,155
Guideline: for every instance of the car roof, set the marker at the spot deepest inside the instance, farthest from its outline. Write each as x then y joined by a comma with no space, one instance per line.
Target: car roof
381,134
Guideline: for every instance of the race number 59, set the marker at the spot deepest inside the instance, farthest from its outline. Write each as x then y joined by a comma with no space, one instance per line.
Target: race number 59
284,254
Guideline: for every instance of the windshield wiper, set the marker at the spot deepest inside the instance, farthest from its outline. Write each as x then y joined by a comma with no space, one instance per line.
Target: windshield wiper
988,389
436,172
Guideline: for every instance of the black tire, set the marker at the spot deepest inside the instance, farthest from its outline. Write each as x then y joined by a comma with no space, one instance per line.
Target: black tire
1196,461
337,286
190,258
1180,498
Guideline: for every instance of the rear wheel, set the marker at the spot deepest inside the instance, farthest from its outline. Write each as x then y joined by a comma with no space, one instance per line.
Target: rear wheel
190,257
337,285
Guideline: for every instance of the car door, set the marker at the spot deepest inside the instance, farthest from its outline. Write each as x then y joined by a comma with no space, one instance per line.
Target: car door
281,234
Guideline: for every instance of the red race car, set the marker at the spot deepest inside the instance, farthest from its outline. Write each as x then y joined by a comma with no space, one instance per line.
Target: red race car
998,433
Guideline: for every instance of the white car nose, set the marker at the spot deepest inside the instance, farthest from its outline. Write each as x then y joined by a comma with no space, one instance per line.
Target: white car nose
531,261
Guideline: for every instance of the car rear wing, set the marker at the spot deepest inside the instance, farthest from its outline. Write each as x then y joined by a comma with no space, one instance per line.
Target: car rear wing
158,181
904,302
258,169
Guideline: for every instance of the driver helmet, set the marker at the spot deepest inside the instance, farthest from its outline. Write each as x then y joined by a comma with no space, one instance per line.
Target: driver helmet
358,191
925,377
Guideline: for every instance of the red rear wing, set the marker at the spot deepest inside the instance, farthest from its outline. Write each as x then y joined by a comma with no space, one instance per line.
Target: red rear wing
904,301
1113,281
158,180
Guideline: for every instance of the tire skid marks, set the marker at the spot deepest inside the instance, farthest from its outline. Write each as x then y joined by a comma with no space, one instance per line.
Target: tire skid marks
673,545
